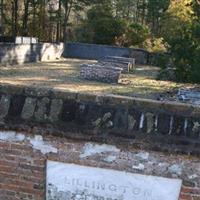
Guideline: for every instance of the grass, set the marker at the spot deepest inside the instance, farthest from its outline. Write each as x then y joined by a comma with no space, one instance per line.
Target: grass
64,75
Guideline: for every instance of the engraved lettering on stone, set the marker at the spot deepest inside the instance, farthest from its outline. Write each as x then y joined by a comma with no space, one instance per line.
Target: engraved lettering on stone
74,182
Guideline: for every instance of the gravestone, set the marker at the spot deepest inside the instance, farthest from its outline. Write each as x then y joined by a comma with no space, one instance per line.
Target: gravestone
74,182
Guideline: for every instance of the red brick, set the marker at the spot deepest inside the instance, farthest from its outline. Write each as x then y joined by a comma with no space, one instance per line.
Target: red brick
39,162
4,145
19,188
185,197
31,167
4,168
196,198
192,191
8,163
22,147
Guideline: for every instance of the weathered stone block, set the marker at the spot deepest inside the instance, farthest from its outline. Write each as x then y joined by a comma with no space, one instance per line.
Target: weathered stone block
193,130
55,110
11,89
62,94
29,108
38,92
131,122
41,109
84,97
4,106
134,119
177,124
150,122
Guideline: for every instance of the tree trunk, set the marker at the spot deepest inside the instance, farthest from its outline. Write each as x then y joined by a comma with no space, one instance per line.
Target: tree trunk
58,35
15,18
1,18
143,11
43,14
25,18
34,17
137,12
65,21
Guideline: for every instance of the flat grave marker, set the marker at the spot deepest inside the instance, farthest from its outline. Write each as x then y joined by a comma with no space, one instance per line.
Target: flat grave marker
74,182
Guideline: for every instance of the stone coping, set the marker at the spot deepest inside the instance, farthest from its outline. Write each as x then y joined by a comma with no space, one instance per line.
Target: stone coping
183,109
102,66
168,126
107,46
124,60
115,61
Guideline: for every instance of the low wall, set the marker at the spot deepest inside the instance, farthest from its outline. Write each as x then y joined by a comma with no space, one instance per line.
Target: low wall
22,53
96,52
167,126
38,125
11,53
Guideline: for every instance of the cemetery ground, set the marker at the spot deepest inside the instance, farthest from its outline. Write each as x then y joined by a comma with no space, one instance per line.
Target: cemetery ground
64,74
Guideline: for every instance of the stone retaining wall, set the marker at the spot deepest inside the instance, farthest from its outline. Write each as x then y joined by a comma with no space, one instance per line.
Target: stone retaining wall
162,125
11,53
100,73
98,52
23,53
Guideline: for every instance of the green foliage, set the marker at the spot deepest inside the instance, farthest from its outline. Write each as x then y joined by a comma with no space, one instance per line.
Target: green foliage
136,34
156,45
101,27
185,46
84,33
156,10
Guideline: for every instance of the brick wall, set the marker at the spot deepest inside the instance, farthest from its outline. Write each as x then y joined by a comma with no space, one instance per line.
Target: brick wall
24,155
165,125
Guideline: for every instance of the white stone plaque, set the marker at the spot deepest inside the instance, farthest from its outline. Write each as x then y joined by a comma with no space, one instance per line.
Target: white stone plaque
74,182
